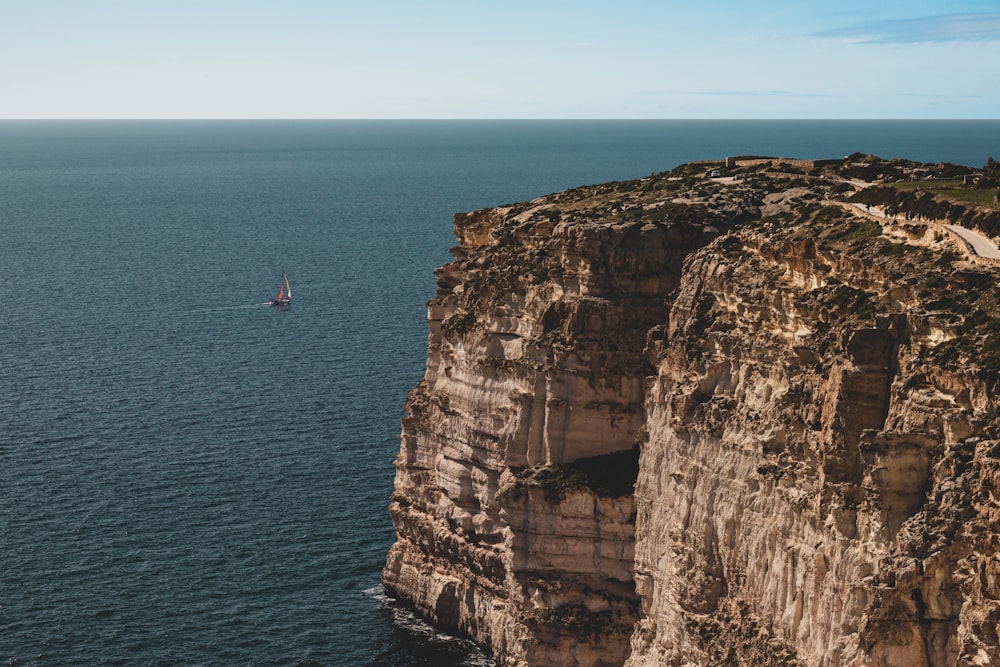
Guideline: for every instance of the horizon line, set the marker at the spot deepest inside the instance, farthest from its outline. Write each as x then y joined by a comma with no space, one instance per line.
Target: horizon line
489,119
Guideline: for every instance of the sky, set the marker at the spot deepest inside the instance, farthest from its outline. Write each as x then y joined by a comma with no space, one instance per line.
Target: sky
512,59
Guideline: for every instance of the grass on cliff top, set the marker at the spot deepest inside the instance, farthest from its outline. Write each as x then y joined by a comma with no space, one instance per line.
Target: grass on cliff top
858,229
954,190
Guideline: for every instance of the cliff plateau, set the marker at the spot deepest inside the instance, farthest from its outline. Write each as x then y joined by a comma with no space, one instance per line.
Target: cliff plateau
697,420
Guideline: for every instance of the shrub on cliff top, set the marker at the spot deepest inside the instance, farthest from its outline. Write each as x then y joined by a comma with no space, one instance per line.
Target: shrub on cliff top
858,230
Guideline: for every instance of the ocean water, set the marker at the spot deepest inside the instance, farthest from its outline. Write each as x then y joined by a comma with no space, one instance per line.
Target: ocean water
190,477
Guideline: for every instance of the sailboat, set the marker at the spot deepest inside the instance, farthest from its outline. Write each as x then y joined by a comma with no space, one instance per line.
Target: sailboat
284,297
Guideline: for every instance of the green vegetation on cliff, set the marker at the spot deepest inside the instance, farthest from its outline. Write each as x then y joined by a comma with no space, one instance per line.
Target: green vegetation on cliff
610,475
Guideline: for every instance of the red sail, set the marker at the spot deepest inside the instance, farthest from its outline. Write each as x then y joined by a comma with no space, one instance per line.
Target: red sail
281,291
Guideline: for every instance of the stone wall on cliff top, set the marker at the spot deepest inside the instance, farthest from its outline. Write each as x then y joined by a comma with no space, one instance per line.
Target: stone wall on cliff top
815,484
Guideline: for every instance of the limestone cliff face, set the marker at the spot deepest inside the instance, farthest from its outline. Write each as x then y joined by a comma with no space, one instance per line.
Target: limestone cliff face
535,362
816,484
678,422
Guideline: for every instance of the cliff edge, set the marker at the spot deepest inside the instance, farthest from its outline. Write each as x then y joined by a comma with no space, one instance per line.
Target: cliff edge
715,416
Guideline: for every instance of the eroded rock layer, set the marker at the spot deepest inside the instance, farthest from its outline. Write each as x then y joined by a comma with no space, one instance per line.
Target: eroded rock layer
694,421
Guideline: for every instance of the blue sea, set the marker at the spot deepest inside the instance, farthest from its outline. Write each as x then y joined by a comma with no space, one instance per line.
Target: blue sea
190,477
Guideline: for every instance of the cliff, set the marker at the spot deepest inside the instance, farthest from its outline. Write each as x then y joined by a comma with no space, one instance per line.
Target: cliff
695,421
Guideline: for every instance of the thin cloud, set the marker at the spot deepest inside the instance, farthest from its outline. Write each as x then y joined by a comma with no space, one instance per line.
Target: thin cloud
983,27
758,93
936,96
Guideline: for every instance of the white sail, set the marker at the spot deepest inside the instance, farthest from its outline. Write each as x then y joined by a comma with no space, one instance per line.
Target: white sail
284,297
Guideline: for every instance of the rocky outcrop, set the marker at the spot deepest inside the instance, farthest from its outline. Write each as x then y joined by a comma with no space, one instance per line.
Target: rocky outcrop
683,422
514,525
805,495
